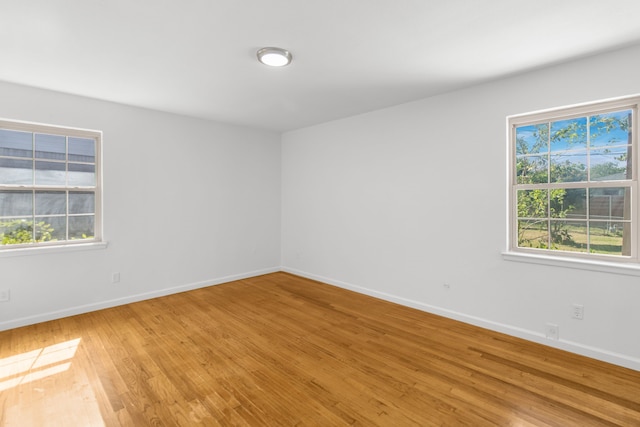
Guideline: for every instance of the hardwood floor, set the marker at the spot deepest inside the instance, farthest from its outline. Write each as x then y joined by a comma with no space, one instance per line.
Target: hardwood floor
279,350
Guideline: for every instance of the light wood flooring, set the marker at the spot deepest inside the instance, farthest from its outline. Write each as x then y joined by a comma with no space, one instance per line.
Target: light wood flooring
279,350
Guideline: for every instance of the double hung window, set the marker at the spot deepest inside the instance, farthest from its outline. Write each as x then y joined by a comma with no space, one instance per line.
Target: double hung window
49,185
573,181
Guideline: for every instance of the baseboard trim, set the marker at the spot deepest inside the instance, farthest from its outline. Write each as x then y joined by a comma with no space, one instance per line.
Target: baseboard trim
72,311
570,346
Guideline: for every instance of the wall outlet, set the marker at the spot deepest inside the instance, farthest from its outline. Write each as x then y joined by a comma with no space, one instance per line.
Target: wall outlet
446,286
577,311
115,277
5,295
552,331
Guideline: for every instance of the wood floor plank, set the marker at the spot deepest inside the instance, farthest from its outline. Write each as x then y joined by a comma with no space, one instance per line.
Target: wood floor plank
280,350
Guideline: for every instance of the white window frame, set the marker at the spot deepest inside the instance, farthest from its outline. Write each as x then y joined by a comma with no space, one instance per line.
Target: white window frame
601,262
96,242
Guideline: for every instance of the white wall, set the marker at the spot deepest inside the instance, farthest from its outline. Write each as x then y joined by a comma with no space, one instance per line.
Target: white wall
398,202
393,203
187,203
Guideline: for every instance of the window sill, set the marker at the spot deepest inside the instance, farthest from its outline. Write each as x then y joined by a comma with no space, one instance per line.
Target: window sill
52,249
630,269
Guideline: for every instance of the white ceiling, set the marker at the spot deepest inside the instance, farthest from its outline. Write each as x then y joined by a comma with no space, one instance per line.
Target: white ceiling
197,57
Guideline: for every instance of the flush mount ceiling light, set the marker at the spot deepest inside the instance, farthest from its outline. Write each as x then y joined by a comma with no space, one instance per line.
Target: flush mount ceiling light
274,56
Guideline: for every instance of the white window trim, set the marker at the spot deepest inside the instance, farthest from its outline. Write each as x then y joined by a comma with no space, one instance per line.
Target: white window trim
629,269
628,265
67,245
60,248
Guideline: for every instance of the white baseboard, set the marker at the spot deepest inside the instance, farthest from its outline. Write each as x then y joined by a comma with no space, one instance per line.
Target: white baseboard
573,347
72,311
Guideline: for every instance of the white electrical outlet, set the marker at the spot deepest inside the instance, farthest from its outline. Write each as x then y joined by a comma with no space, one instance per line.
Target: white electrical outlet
577,311
5,295
115,277
552,331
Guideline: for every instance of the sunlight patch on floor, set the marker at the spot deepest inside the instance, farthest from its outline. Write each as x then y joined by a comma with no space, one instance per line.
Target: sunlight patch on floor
26,367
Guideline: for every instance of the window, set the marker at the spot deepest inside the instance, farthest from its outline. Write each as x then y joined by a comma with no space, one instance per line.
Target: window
49,185
573,183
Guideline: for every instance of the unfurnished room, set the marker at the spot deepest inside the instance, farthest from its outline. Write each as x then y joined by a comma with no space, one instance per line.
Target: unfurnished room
319,213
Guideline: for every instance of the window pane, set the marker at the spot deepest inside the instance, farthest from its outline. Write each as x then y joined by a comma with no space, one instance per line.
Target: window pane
532,139
51,228
82,202
533,234
82,150
569,236
568,203
16,172
16,231
610,164
609,204
569,134
531,170
50,147
81,227
568,166
610,129
50,173
607,237
16,203
571,205
532,204
15,144
51,203
82,175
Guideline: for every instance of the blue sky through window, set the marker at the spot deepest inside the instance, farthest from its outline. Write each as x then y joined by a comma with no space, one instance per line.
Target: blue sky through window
605,130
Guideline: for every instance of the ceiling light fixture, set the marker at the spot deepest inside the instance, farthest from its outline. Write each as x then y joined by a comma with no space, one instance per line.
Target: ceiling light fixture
274,56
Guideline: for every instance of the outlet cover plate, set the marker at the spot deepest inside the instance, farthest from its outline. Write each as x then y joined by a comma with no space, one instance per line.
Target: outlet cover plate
577,311
552,331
